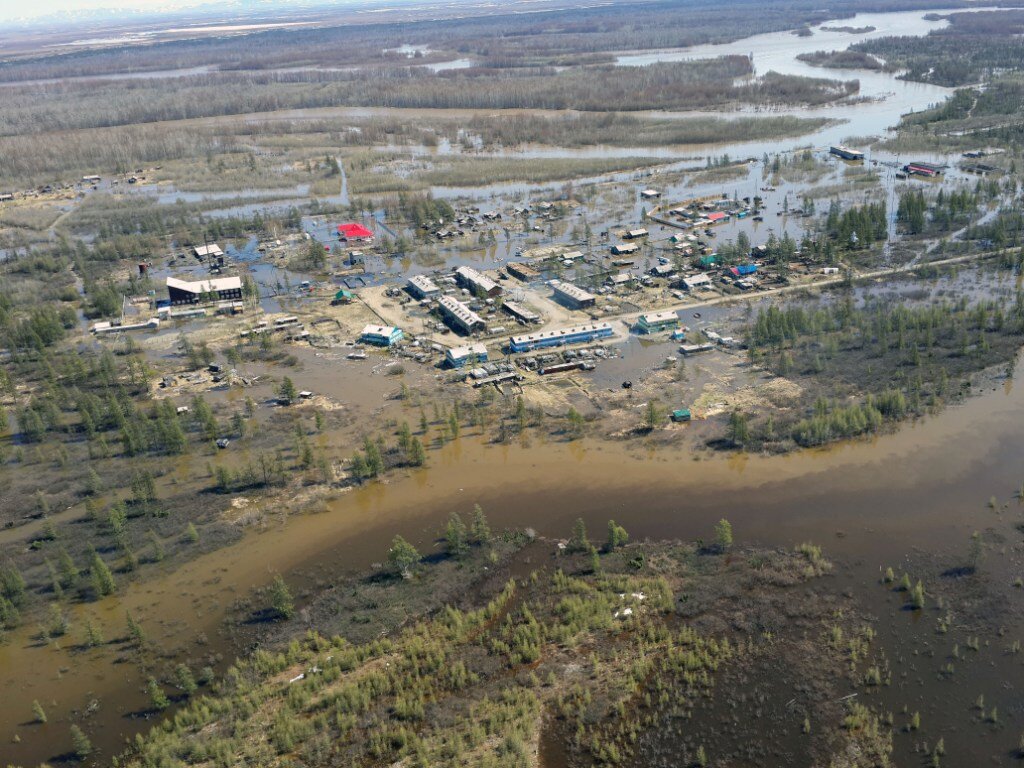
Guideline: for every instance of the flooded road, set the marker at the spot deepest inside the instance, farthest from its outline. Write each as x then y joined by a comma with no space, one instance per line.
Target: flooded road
869,503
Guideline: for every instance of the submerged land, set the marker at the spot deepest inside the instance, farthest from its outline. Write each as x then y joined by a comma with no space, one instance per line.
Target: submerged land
326,340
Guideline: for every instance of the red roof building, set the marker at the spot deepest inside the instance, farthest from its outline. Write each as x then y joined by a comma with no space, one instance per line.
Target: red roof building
716,216
355,231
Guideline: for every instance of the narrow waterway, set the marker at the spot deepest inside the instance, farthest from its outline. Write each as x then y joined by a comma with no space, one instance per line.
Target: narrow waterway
869,502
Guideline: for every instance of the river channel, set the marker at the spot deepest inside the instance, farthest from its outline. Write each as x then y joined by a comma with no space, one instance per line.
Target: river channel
870,503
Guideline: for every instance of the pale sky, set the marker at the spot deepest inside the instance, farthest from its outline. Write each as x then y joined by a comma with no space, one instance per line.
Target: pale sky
21,9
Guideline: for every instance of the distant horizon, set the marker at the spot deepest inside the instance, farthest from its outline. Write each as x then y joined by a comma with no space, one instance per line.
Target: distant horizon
13,11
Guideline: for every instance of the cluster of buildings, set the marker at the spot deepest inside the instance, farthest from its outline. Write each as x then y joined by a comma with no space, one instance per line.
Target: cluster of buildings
705,212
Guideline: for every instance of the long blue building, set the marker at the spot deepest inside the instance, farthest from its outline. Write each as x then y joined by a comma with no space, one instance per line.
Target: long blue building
577,334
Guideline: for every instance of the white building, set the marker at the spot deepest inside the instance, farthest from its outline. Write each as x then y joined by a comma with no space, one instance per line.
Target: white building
461,317
422,287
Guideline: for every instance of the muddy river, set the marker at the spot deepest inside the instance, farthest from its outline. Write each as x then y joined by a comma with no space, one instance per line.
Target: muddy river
869,503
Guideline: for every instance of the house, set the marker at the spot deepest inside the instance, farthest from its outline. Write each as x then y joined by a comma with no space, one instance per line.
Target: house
522,271
470,354
663,270
846,153
211,251
571,255
654,322
521,313
354,231
693,349
619,280
681,414
696,282
381,335
220,288
625,249
650,194
105,326
579,334
344,296
716,217
461,317
6,197
923,169
571,295
477,282
636,234
743,270
422,287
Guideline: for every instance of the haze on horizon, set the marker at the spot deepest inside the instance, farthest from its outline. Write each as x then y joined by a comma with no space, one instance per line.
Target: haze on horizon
13,10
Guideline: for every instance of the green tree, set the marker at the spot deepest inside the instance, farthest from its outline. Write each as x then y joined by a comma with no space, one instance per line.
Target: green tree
417,453
403,556
38,712
917,596
738,430
374,459
93,635
135,631
576,422
102,579
157,697
68,570
617,536
405,439
480,529
723,534
80,743
579,542
12,585
456,541
184,679
653,416
281,602
191,534
287,390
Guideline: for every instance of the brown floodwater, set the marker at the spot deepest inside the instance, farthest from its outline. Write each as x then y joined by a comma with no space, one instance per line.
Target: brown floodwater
871,503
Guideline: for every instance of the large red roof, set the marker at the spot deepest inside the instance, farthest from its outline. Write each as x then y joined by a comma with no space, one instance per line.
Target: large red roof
354,231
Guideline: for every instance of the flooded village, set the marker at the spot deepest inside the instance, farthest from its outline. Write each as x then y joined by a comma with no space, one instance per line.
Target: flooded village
371,432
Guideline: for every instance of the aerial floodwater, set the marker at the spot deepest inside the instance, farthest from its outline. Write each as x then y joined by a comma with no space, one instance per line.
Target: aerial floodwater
882,99
908,497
